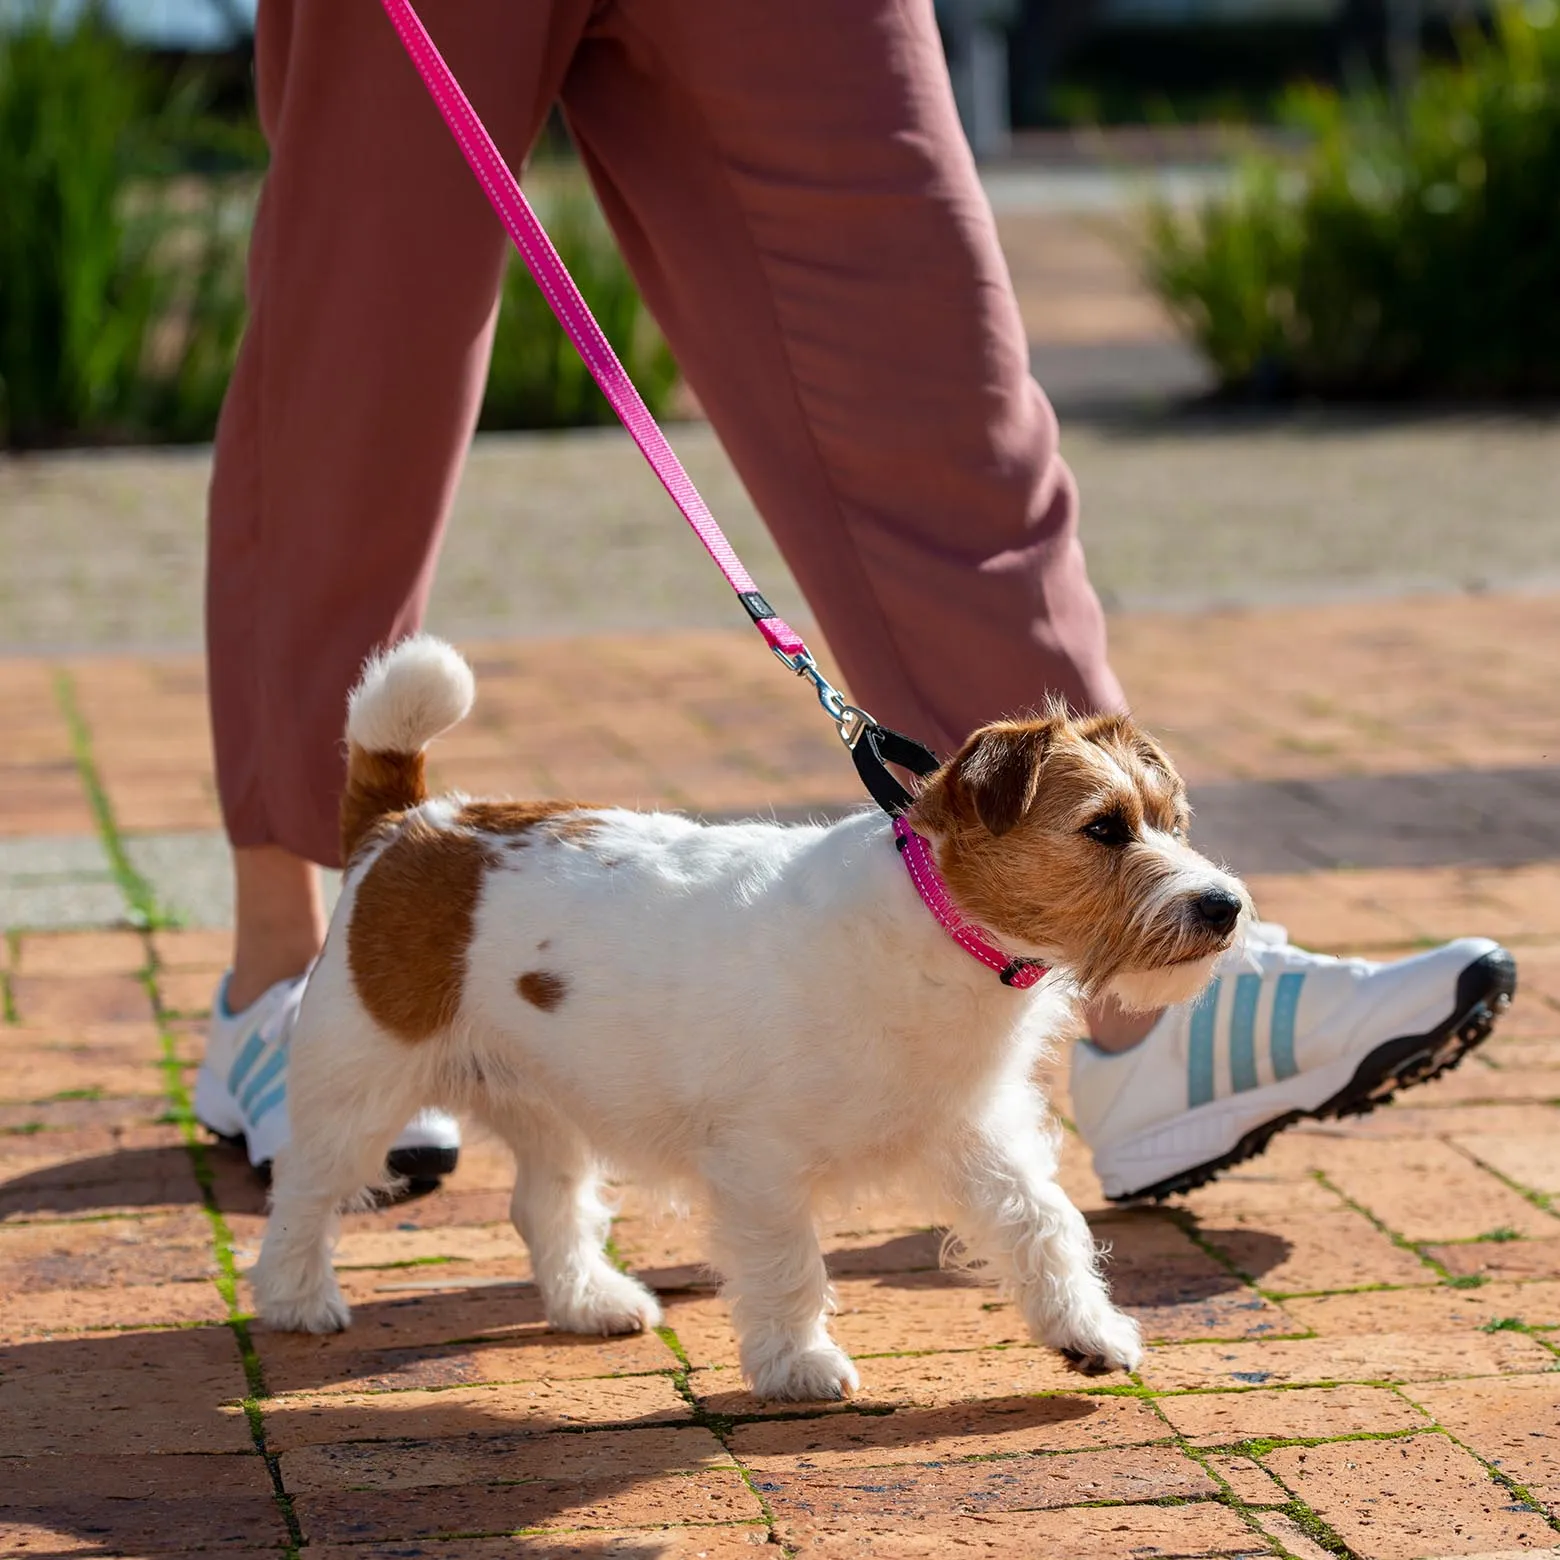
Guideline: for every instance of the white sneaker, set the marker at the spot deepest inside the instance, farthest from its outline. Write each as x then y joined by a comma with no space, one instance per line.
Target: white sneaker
1279,1034
241,1088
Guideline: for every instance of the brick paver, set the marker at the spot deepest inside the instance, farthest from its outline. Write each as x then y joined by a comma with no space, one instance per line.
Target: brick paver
1354,1337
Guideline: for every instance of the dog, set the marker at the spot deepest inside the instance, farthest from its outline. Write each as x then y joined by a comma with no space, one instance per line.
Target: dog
761,1016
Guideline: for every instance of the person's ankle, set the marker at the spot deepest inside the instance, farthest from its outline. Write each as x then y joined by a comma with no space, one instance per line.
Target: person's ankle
279,921
254,975
1112,1028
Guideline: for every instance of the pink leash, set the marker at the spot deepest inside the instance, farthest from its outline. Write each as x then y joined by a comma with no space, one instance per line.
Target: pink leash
872,746
530,238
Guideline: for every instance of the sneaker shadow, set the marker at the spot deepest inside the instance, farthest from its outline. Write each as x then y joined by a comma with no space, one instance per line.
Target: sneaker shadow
132,1178
135,1178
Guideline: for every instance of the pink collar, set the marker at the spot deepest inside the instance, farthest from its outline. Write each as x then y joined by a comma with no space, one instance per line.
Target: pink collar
1017,972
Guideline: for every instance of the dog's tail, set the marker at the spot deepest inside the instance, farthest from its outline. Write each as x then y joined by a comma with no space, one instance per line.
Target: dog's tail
406,696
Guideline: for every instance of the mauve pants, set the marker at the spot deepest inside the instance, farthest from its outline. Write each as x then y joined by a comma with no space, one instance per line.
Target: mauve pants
789,183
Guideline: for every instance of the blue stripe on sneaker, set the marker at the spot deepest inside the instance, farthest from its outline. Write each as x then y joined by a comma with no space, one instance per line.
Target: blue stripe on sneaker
268,1104
262,1077
1286,1003
1199,1066
247,1057
1243,1033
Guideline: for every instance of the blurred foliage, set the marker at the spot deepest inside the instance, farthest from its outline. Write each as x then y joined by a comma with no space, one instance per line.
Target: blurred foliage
124,214
120,285
1415,249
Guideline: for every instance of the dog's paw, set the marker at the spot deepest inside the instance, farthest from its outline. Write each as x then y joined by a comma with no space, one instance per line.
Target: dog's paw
323,1313
609,1303
819,1375
1106,1342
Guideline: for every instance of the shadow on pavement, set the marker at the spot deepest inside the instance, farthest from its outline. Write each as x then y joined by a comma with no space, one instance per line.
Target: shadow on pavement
135,1178
116,1443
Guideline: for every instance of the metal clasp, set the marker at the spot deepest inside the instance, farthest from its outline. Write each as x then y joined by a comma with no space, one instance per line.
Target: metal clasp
849,721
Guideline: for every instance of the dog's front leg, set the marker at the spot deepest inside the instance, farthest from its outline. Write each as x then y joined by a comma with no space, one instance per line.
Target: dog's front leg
1012,1214
766,1247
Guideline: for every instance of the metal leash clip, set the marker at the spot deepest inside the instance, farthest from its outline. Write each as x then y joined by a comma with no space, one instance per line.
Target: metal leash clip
850,721
873,746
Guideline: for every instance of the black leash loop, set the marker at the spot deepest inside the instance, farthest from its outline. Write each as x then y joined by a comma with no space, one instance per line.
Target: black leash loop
875,748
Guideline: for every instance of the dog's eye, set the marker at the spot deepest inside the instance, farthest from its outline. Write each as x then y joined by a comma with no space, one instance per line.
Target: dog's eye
1109,829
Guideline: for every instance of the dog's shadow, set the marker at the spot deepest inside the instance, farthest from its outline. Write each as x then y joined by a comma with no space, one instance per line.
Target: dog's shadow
116,1435
1151,1261
111,1426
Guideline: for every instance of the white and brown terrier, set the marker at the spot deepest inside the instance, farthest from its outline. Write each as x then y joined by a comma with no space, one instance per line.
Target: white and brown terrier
758,1016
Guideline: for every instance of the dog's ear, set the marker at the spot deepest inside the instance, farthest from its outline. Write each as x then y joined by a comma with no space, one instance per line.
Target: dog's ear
999,772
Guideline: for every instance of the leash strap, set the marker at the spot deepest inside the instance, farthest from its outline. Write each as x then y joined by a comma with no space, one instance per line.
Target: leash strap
872,746
530,238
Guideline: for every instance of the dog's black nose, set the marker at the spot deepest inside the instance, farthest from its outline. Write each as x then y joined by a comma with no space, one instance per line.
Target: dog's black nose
1218,909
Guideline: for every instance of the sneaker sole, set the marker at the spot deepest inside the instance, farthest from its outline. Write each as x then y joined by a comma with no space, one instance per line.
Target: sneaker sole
420,1168
1484,991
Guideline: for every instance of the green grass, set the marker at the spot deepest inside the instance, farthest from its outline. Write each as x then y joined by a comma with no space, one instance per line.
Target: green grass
144,910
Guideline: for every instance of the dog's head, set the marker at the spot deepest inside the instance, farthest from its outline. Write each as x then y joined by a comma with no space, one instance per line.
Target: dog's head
1067,837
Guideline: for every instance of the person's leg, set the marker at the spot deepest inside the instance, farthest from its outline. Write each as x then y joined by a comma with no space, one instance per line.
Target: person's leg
374,267
790,185
278,921
374,270
792,189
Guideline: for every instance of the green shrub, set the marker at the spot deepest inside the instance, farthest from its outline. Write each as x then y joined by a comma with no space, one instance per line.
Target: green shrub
121,270
1414,251
537,379
120,300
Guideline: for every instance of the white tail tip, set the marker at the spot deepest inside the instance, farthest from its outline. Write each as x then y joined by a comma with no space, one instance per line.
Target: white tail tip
408,694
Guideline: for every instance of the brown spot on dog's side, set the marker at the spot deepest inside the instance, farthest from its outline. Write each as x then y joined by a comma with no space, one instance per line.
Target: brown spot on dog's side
566,820
542,989
379,786
544,945
411,927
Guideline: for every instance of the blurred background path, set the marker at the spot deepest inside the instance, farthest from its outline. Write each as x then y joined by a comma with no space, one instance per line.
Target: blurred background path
1185,508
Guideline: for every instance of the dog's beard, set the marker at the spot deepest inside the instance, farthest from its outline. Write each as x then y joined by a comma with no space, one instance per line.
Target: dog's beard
1141,991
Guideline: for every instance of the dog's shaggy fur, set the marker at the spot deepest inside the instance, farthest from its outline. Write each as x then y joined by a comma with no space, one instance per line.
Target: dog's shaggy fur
757,1015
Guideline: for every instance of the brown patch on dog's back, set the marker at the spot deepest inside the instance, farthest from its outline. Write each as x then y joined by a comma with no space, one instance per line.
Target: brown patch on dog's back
411,926
542,989
565,820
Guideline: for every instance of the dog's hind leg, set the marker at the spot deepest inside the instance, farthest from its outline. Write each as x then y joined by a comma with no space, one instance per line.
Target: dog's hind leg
345,1109
765,1245
558,1210
1011,1214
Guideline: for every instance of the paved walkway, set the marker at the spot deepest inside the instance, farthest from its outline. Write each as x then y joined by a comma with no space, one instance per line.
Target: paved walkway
1356,1338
